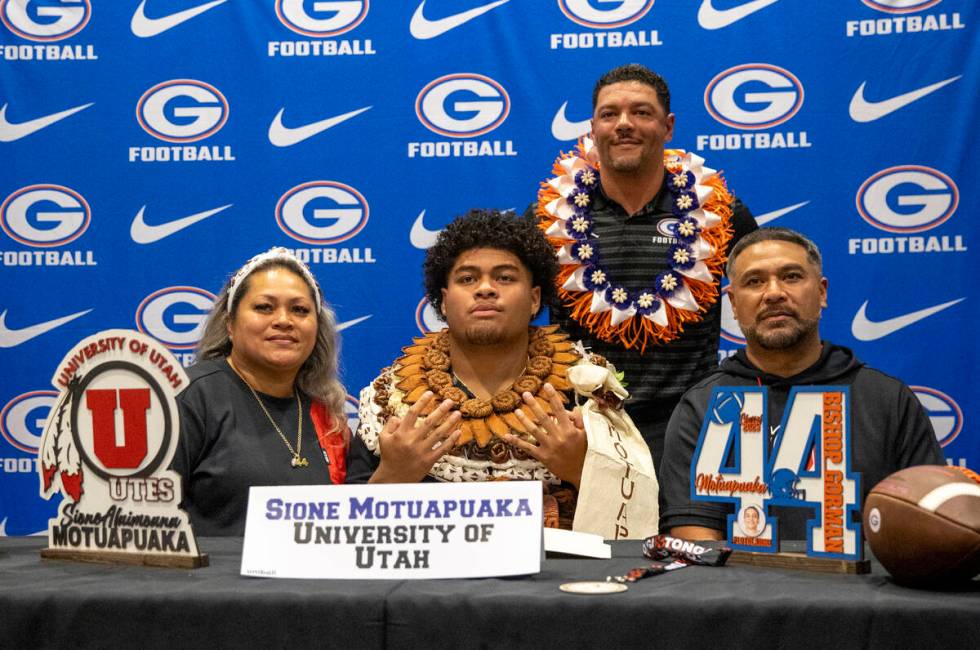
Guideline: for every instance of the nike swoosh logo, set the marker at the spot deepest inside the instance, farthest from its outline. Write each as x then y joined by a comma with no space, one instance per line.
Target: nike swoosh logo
775,214
351,323
862,110
422,28
711,18
867,330
10,337
143,233
422,237
562,129
146,27
284,136
10,132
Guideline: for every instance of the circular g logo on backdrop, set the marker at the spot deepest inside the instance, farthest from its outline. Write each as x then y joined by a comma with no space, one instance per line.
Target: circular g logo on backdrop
45,216
331,19
929,197
182,110
175,316
45,21
944,413
900,6
462,105
753,96
730,330
22,419
322,212
615,13
427,318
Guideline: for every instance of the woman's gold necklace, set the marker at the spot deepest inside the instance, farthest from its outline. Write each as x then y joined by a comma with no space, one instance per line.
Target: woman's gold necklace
297,460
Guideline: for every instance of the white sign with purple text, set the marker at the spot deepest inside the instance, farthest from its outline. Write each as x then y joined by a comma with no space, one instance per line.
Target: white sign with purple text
399,531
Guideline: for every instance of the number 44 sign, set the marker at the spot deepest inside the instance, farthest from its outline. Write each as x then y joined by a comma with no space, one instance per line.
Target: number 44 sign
806,465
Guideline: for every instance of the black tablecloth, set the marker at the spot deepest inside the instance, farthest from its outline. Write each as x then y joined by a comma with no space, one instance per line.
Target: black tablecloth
50,603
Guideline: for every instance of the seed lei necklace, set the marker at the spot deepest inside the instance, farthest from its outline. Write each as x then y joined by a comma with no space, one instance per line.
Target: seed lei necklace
426,366
472,393
297,460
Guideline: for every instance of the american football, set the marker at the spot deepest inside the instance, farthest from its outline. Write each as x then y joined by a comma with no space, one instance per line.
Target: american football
923,524
727,408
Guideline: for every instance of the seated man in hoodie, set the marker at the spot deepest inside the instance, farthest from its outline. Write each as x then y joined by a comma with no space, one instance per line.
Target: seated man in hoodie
777,293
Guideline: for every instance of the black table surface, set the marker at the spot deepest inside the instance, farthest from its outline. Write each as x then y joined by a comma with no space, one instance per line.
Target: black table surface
56,603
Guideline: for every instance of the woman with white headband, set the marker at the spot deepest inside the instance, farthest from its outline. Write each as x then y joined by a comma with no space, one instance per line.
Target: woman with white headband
263,405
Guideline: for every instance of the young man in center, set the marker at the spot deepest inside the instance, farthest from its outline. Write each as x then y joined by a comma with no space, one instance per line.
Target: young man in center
491,397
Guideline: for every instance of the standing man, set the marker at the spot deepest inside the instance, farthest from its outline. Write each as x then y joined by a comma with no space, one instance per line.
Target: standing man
642,235
778,292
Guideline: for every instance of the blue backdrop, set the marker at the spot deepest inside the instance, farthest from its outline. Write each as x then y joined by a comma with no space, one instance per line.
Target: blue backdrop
149,148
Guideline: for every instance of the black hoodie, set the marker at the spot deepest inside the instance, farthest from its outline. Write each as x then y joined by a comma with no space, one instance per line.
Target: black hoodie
889,431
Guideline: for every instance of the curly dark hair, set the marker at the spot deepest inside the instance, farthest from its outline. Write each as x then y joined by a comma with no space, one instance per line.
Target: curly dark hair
491,229
634,72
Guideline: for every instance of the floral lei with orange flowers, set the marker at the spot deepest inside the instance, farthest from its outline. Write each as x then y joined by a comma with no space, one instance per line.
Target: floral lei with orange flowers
679,295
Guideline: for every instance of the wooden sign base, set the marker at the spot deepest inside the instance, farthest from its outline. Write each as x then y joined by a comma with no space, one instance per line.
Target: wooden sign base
142,559
800,561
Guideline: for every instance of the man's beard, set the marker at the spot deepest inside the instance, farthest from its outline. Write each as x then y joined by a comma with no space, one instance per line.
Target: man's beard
483,334
782,338
626,165
635,162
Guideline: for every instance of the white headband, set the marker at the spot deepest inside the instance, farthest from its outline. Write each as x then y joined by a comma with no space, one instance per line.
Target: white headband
276,253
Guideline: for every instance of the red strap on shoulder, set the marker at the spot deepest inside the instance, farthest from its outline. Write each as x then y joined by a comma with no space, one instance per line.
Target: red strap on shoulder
332,439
